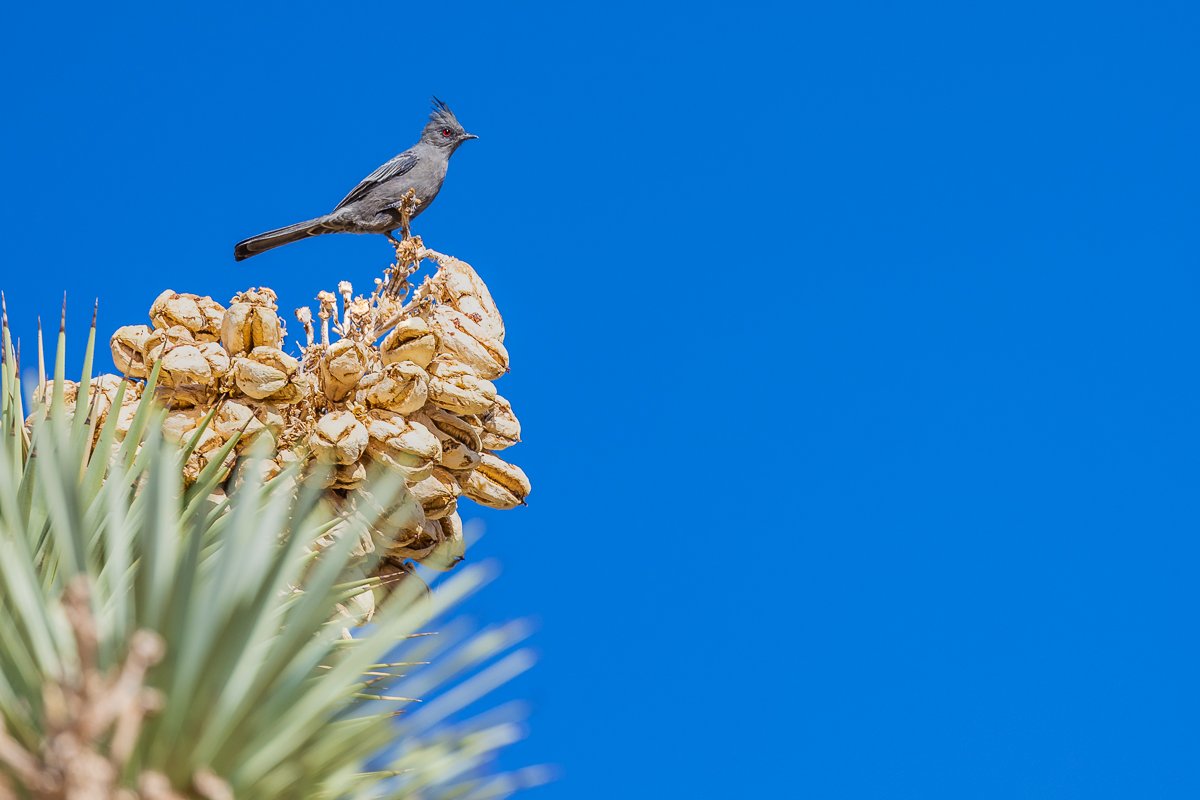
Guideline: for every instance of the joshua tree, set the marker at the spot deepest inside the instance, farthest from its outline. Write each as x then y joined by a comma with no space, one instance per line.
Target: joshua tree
227,606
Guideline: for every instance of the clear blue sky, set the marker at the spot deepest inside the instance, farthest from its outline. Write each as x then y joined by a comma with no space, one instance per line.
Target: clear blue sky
874,473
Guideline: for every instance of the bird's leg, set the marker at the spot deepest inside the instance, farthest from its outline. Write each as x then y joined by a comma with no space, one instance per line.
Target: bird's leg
391,235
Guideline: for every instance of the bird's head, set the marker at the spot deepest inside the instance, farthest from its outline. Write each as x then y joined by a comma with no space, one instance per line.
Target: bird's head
443,128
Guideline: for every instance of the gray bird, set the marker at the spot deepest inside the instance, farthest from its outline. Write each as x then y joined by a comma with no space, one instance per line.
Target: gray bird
374,205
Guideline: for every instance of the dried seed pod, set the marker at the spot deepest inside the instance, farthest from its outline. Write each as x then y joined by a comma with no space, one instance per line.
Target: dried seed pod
401,387
102,392
234,417
463,338
161,340
458,285
341,367
338,438
181,427
185,378
501,428
402,444
411,340
128,346
393,524
251,323
200,315
452,548
460,441
455,387
217,358
348,476
438,494
496,483
185,366
256,471
269,373
435,534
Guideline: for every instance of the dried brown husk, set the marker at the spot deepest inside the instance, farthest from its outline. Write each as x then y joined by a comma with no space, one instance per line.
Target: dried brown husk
339,438
437,494
392,524
495,483
200,315
267,373
459,439
443,537
128,347
412,340
459,286
181,426
163,340
402,387
342,365
463,338
348,476
247,418
500,425
402,444
455,387
251,321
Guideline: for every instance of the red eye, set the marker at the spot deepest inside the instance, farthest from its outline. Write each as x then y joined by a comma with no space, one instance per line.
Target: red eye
446,132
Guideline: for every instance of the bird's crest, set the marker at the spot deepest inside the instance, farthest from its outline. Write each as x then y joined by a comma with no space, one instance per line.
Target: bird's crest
442,115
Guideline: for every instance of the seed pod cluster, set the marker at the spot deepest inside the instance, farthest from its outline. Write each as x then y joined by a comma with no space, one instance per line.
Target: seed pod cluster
402,381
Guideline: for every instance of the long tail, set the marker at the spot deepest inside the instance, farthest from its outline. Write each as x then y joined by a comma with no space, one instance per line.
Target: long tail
280,236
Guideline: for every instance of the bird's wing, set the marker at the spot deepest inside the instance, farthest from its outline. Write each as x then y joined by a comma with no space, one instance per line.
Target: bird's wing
397,166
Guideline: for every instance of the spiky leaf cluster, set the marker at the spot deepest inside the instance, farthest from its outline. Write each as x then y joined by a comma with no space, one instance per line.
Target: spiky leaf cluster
163,641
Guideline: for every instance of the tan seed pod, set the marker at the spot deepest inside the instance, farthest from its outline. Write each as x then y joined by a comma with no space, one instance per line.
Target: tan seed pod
234,417
247,418
411,340
496,483
102,393
401,387
460,441
128,347
184,367
463,338
338,438
257,471
501,428
341,367
455,387
348,476
217,358
248,325
269,373
402,444
162,340
458,285
452,548
439,544
200,315
393,524
180,427
438,494
185,378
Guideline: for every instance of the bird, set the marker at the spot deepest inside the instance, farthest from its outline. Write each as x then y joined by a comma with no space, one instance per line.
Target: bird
375,204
